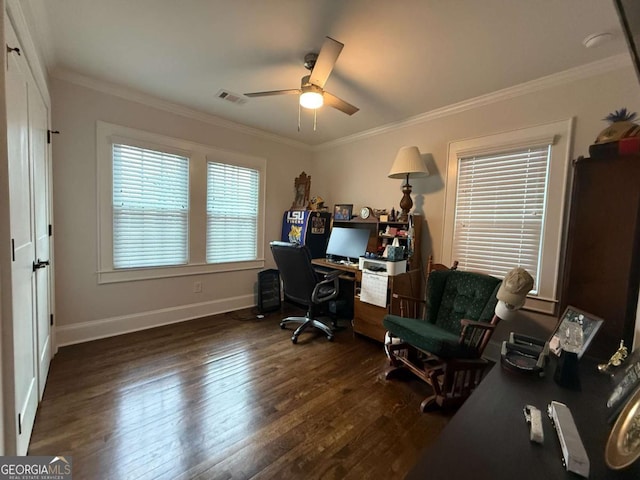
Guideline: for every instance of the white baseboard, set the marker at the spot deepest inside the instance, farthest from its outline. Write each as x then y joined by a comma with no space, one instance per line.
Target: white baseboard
109,327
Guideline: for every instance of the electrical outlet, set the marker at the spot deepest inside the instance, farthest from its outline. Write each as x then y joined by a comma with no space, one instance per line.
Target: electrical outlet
197,287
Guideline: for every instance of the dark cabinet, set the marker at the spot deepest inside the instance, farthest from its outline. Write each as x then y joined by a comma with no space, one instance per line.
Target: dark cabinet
602,261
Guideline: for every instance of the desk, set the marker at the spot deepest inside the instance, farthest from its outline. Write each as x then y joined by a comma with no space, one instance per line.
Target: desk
489,439
367,318
324,266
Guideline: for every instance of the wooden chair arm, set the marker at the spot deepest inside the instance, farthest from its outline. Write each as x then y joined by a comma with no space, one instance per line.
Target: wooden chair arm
407,297
476,335
410,307
473,324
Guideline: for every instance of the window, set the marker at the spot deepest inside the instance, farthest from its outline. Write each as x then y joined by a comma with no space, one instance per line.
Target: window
150,207
232,213
169,207
505,205
500,207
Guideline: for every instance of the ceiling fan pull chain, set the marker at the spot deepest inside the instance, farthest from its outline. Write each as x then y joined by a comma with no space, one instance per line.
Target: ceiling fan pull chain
298,116
315,119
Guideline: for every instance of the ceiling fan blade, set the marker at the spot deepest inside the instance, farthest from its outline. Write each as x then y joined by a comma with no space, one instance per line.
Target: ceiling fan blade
339,104
274,92
326,60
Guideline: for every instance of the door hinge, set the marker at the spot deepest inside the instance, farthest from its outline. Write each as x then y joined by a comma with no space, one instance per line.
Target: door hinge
50,229
51,132
51,319
13,250
19,424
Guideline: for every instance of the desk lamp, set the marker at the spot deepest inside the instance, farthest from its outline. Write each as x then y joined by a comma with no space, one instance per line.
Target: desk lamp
408,162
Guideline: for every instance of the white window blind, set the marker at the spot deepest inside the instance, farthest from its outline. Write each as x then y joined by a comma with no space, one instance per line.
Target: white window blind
232,213
500,211
150,208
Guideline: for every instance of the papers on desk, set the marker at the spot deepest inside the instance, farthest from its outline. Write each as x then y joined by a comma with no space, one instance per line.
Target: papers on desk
374,288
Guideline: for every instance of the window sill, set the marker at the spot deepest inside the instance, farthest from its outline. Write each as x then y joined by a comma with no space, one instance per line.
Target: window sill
541,305
136,274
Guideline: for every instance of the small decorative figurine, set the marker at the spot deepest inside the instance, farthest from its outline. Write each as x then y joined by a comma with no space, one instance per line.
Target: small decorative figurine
621,125
616,359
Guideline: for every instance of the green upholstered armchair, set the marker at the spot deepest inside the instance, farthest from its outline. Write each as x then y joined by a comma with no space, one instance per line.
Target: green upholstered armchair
442,341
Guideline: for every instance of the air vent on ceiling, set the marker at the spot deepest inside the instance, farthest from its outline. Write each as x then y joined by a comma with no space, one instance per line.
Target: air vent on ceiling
231,97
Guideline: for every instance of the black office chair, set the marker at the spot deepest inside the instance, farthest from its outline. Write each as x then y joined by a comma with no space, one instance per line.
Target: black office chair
304,286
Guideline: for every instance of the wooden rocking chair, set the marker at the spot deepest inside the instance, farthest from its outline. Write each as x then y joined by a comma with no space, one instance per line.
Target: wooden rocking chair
442,340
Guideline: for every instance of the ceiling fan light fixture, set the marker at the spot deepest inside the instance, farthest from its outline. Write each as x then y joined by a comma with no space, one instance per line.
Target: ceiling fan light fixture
311,92
311,100
311,97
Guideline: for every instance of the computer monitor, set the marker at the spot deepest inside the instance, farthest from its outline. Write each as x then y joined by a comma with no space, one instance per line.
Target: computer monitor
347,243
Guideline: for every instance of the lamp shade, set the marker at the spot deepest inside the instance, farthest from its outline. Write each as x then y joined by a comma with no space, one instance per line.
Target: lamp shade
408,162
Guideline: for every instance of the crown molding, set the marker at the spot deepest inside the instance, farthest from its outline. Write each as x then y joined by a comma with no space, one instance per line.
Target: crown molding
155,102
557,79
550,81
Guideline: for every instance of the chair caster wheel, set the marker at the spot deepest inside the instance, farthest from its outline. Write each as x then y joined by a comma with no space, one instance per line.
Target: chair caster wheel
294,340
282,326
330,338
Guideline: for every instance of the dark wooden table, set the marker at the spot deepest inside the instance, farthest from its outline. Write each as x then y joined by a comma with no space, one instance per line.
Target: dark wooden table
488,437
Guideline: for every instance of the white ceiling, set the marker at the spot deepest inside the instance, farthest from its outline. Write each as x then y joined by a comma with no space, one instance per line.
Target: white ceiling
401,58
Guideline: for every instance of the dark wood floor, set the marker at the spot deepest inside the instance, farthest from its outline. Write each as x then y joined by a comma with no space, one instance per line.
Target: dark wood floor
230,397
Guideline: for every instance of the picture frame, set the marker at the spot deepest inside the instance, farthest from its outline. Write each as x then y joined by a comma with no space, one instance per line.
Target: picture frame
625,383
343,211
590,326
302,188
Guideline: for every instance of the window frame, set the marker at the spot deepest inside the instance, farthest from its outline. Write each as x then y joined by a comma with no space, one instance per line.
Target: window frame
559,135
106,135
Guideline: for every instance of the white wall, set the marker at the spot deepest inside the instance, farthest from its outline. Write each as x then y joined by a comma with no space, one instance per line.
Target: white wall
355,170
352,170
85,309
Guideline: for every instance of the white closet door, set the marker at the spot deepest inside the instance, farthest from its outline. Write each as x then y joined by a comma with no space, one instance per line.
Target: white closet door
38,115
25,369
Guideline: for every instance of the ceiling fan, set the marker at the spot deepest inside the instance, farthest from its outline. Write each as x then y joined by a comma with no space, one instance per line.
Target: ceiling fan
311,91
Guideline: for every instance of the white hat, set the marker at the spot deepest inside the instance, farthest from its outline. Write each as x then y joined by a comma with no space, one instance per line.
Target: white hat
515,286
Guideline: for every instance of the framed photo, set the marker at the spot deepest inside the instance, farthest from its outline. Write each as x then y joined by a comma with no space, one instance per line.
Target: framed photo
342,211
625,381
590,326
